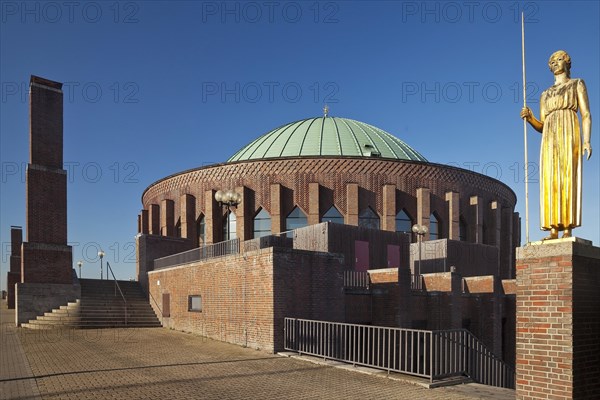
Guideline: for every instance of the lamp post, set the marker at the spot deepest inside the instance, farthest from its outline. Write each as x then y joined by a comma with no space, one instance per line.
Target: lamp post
101,255
79,264
420,230
227,199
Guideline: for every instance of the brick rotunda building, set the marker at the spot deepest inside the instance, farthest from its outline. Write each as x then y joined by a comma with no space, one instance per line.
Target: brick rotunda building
372,188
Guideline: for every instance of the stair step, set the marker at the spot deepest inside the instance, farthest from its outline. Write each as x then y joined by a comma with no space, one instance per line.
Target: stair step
99,307
86,326
93,321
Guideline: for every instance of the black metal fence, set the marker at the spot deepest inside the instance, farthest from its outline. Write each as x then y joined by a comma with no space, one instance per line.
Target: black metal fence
198,254
428,354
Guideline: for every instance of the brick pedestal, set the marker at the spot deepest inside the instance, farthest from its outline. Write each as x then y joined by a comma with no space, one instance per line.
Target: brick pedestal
558,320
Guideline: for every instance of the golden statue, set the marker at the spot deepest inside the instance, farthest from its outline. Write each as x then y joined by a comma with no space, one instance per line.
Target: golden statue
561,150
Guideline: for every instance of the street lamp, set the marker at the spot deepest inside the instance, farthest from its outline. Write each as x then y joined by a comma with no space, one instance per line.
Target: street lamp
79,264
101,255
228,198
420,230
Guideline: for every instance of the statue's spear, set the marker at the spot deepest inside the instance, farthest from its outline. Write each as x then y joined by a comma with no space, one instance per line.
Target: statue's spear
525,131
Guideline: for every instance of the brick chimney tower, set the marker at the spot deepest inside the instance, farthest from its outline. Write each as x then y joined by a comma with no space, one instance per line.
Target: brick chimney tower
45,256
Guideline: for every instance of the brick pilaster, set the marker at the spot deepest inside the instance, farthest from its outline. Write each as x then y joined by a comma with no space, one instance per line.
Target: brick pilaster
558,321
187,207
352,211
154,217
167,218
389,208
423,209
213,218
277,220
477,210
144,222
452,198
313,204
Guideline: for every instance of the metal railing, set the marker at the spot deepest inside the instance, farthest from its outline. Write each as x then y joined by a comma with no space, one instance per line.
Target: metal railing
200,253
460,351
416,282
356,279
427,354
108,268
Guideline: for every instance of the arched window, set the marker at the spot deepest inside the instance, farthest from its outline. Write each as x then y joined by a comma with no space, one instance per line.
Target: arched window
296,219
434,227
462,229
403,222
201,229
262,224
368,219
229,226
333,215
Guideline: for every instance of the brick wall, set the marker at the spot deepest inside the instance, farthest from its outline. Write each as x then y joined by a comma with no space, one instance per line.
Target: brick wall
46,263
386,303
340,239
46,123
245,297
151,247
46,205
558,321
586,327
14,273
470,259
11,279
359,307
34,299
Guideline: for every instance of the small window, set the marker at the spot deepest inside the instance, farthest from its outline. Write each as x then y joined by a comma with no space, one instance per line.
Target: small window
333,215
295,219
403,222
368,219
262,224
229,225
434,227
195,303
201,229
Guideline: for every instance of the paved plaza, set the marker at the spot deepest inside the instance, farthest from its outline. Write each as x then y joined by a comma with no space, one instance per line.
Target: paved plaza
157,363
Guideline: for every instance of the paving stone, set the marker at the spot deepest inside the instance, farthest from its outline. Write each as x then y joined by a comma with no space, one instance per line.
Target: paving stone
153,363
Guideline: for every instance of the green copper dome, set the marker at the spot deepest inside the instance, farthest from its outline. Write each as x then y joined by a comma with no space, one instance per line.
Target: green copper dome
327,136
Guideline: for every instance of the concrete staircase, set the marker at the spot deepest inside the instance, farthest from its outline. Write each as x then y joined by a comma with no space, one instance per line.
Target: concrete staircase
99,307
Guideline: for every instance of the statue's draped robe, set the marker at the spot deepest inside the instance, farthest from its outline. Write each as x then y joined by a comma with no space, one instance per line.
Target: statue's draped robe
560,158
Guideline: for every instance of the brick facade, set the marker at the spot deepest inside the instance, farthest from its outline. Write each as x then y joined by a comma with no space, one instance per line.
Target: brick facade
151,247
245,302
558,321
351,184
247,296
469,259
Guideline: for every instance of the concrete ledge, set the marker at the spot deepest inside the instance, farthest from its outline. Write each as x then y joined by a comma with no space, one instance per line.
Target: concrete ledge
34,299
559,247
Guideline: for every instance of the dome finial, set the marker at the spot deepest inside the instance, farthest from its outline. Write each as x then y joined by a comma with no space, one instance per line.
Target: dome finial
326,111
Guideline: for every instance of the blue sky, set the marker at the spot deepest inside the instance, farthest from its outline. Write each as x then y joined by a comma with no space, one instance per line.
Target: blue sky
153,88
